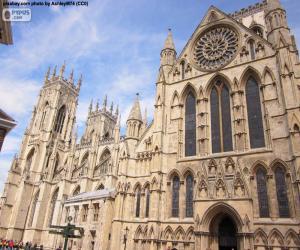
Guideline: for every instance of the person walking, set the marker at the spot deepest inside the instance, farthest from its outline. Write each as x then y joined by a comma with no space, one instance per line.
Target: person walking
11,245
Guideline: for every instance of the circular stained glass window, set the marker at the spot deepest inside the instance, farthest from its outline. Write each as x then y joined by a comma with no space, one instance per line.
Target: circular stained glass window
215,48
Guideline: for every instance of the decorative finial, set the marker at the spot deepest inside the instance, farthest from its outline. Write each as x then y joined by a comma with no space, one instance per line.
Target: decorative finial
54,72
111,107
117,111
71,79
105,102
97,105
91,107
79,82
47,74
62,70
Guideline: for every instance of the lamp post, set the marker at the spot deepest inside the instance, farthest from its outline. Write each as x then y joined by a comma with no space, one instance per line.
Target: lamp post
125,236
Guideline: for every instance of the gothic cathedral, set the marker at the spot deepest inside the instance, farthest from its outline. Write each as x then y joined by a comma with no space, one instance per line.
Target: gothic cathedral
218,168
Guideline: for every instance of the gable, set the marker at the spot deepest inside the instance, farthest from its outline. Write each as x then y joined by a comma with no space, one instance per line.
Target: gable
214,22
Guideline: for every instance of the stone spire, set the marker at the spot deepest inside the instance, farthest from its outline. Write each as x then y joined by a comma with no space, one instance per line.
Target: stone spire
105,103
169,43
168,53
135,113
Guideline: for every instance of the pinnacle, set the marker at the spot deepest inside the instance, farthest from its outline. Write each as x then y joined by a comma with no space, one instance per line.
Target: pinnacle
169,43
135,113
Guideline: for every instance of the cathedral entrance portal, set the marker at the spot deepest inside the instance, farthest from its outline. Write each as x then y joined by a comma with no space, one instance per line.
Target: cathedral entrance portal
227,234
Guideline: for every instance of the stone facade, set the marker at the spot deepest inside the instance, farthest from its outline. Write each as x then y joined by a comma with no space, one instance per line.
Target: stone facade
218,168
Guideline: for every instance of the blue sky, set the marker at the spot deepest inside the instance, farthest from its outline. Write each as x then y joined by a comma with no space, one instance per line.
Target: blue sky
115,45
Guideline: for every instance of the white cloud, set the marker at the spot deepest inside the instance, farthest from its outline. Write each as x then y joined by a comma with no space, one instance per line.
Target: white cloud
18,95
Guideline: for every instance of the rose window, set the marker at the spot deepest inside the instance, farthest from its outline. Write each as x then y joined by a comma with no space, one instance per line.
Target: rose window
215,48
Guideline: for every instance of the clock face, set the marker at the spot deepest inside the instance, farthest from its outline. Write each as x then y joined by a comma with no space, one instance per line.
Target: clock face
215,48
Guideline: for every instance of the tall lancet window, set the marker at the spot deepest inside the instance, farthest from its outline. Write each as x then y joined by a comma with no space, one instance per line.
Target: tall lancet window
147,202
262,192
175,196
60,119
189,196
190,125
33,208
221,132
281,190
255,121
52,207
138,202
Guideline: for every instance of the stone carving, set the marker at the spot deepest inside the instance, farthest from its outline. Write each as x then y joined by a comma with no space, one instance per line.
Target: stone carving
215,48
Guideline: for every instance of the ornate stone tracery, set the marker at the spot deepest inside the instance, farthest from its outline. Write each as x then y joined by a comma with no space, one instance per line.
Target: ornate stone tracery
215,48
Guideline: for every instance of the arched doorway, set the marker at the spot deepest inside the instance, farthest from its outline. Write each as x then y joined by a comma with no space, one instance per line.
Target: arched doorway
223,232
227,234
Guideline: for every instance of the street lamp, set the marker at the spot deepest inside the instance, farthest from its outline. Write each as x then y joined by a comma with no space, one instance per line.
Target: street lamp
125,237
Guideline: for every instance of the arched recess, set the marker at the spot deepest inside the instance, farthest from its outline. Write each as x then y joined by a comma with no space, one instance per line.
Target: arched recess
168,233
216,212
260,239
76,191
220,114
33,208
56,166
175,106
29,159
52,206
104,165
45,111
292,240
276,239
254,101
179,234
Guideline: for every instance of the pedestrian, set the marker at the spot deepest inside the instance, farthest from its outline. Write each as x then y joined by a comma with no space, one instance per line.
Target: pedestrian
27,246
11,245
41,247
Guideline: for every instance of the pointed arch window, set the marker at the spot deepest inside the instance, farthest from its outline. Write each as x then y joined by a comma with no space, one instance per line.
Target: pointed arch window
44,114
190,125
138,202
33,208
29,161
147,202
281,190
189,196
52,207
175,196
262,192
182,64
255,122
221,132
60,119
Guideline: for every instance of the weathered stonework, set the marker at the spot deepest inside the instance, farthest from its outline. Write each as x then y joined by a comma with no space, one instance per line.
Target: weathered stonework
106,181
